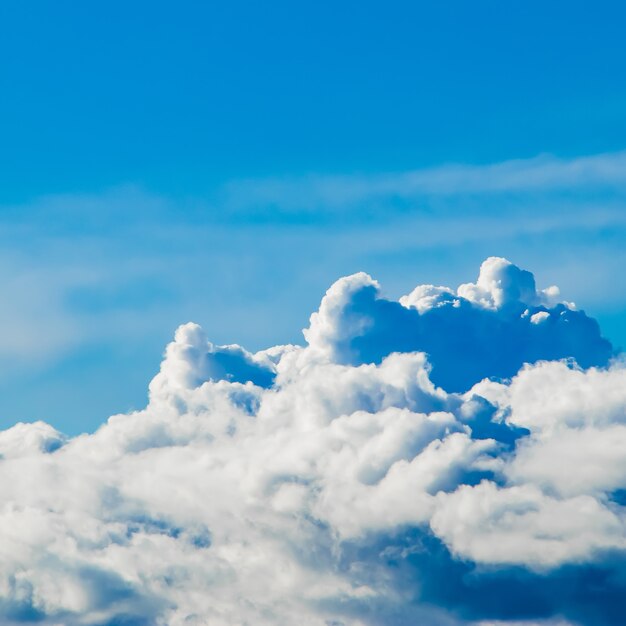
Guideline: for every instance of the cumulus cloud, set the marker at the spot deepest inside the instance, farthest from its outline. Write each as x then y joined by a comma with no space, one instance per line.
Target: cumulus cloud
455,457
487,329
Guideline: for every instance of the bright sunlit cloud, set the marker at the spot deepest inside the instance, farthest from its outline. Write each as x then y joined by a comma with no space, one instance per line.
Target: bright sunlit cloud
422,460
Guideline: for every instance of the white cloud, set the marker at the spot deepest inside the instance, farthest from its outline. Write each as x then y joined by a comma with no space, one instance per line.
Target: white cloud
522,525
327,484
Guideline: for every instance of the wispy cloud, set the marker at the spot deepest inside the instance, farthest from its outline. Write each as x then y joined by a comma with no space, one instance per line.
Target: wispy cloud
547,174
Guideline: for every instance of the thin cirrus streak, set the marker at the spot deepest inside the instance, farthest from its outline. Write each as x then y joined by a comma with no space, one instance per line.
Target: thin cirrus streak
544,173
454,457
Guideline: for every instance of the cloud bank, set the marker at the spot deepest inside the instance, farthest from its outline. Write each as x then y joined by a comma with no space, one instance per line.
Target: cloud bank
454,457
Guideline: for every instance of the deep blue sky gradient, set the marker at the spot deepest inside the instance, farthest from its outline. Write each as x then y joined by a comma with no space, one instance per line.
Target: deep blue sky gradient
180,97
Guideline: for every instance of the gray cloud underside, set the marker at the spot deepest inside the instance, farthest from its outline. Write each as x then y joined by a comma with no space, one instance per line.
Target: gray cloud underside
455,457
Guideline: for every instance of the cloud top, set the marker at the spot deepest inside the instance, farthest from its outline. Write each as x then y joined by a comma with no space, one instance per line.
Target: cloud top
488,328
429,460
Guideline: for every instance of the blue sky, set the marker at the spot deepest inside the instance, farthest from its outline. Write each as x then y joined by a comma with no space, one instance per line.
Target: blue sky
226,163
446,445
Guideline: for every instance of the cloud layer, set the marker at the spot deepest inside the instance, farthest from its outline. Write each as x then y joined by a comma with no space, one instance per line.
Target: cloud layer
455,457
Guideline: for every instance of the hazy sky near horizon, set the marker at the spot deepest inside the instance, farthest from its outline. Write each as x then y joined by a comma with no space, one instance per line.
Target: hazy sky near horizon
225,163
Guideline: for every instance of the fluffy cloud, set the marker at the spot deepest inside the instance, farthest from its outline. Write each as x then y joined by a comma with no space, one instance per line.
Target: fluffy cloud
455,457
490,328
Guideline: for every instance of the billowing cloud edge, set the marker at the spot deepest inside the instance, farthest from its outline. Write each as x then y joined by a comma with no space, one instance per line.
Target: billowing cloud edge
453,457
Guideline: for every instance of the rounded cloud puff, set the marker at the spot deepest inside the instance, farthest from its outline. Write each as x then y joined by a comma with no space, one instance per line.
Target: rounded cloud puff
487,329
501,284
426,461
